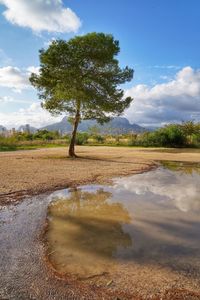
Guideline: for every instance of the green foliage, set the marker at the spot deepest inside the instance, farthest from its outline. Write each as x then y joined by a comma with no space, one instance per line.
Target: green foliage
83,72
189,128
81,138
169,136
46,135
99,138
81,77
23,140
23,136
7,144
173,135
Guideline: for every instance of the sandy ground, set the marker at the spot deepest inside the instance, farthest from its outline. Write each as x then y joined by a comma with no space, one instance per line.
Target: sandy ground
35,171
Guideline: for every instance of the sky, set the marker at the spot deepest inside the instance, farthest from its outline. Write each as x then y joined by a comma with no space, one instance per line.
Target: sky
159,39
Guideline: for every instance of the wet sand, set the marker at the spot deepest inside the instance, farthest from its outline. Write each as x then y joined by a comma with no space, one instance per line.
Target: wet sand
35,171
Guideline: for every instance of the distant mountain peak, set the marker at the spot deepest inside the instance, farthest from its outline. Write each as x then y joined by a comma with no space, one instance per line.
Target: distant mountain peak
64,119
117,125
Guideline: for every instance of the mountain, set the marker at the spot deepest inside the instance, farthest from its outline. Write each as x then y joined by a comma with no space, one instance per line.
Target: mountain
117,125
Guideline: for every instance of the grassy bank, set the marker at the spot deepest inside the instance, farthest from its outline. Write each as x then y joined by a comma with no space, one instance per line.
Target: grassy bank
8,144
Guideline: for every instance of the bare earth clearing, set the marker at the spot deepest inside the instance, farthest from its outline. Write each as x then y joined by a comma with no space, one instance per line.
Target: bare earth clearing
35,171
24,273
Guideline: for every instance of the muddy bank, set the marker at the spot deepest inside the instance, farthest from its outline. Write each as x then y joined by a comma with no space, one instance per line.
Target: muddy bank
35,171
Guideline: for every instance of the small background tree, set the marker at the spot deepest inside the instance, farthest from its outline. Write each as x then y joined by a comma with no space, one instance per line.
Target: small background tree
81,77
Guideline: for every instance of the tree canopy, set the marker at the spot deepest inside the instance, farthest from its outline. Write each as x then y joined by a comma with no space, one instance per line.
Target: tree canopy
81,77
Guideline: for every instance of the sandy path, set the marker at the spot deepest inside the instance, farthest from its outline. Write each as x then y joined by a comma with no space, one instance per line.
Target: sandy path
36,171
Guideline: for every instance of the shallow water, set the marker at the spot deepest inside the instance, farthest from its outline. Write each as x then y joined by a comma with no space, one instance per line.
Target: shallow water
146,219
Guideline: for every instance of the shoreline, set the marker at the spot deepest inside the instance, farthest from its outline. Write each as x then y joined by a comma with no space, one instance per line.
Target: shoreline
32,172
15,197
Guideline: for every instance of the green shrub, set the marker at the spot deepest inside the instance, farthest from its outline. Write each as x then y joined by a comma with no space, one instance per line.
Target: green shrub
8,143
169,136
46,135
98,138
81,138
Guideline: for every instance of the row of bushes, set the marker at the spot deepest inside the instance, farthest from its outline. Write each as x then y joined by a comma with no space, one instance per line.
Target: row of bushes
44,135
170,136
174,135
10,144
25,140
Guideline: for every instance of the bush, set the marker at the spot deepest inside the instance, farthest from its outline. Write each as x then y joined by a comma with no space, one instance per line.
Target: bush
99,138
81,138
46,135
7,143
169,136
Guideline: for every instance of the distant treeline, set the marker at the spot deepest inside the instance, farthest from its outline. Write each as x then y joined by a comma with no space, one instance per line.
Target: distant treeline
186,134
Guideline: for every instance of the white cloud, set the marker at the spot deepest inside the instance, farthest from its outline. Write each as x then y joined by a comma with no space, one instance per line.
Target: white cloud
6,99
165,67
15,78
174,101
183,193
41,15
33,115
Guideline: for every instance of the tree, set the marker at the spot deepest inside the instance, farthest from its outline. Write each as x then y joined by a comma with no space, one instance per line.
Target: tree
189,129
81,77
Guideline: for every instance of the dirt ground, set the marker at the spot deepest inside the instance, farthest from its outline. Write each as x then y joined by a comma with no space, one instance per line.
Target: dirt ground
35,171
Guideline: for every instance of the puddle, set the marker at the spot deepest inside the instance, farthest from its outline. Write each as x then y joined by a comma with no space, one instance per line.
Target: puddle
149,219
86,231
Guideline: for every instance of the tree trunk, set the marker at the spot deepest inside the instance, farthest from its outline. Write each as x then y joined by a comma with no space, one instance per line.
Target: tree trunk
73,137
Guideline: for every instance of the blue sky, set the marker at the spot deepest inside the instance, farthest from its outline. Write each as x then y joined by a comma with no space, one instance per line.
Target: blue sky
159,39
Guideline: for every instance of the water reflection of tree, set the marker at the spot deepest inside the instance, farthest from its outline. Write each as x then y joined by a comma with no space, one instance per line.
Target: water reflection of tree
183,167
87,222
